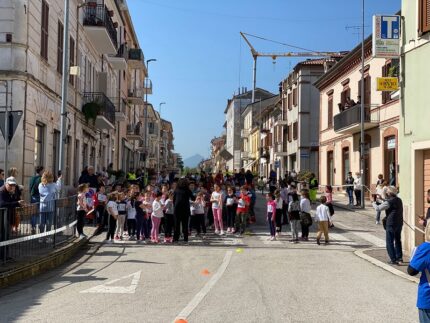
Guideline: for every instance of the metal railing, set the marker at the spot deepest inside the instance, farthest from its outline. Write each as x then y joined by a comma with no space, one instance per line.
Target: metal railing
351,116
33,230
107,108
136,54
98,15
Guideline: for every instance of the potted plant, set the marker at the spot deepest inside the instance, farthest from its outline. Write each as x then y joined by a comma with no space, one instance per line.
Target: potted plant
91,110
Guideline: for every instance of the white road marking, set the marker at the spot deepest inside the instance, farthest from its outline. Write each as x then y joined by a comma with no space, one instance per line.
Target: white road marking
371,238
233,242
106,288
269,242
205,290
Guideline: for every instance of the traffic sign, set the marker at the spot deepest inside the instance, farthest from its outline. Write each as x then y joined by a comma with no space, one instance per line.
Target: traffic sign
14,118
386,36
277,164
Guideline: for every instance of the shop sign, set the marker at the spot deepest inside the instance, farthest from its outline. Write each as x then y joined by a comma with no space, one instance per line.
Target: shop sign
387,84
386,36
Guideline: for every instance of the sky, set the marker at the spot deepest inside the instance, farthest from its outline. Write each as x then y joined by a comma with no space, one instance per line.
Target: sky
202,60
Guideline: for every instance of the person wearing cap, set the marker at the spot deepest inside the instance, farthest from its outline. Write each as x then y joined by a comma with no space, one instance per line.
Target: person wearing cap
9,199
393,223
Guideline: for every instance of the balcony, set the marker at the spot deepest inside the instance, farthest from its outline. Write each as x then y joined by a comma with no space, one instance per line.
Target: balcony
265,153
100,28
119,61
135,132
244,154
281,149
244,133
120,109
136,59
147,88
348,121
99,109
135,96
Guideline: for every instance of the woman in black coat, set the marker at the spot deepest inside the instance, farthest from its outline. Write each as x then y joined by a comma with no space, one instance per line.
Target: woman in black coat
181,202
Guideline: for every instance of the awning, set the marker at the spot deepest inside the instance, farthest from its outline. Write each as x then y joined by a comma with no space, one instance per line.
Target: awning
250,164
225,154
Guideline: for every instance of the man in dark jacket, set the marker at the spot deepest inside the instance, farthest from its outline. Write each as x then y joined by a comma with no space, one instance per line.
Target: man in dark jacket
393,207
181,202
90,178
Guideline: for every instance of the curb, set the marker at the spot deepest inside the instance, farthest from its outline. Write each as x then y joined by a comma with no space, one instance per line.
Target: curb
361,253
53,260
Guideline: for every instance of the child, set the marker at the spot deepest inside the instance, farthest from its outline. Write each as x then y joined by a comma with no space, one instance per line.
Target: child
271,215
231,205
322,215
112,211
140,217
169,219
278,214
157,215
101,201
131,216
82,208
242,210
329,197
294,215
147,206
199,214
216,199
305,214
122,213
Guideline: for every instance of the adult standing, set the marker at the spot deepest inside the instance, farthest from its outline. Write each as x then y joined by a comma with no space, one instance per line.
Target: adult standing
393,207
357,189
1,177
249,178
313,188
181,202
49,192
34,194
349,182
90,178
420,262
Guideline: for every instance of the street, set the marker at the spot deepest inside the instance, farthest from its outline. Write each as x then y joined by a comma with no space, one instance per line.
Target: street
225,279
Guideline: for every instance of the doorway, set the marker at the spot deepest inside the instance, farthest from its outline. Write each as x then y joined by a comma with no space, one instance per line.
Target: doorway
330,167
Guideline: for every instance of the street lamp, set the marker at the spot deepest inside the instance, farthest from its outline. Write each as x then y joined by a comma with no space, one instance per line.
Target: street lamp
146,108
158,139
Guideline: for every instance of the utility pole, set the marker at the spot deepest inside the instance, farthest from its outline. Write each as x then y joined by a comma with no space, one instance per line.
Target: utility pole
64,85
362,144
146,111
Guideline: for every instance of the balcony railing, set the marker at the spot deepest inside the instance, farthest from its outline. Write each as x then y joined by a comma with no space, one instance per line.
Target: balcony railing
349,119
147,88
136,59
102,105
97,15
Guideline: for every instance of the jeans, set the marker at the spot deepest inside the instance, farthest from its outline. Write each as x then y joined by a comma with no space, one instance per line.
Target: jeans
394,243
295,227
169,223
46,218
241,219
271,224
181,219
424,315
80,223
131,225
231,213
285,219
218,219
350,196
357,197
198,223
111,227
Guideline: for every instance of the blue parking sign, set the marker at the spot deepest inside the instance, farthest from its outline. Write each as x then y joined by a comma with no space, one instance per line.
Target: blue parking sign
390,27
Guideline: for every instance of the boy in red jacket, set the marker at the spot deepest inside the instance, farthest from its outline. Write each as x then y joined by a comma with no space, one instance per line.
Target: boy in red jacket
242,210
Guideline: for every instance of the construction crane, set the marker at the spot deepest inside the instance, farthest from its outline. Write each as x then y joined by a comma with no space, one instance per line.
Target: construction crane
255,54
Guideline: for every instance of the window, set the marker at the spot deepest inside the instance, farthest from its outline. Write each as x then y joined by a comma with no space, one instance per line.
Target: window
367,91
44,30
345,160
290,133
295,97
390,69
346,93
290,102
84,155
72,59
424,16
330,112
60,47
39,144
295,130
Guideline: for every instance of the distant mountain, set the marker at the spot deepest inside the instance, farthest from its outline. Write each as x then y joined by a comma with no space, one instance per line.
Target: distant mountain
193,161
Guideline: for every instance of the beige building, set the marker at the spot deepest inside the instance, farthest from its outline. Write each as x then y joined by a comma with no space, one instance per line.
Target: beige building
339,129
105,99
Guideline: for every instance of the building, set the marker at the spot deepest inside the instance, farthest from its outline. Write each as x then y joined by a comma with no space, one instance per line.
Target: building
105,94
250,133
233,126
339,127
414,135
218,161
298,124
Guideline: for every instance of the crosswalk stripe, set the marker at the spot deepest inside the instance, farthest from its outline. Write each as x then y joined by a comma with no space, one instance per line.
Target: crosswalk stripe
340,238
371,238
268,242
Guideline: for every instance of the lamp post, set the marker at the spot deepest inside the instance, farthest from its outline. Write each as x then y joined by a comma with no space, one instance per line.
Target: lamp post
146,111
158,139
362,107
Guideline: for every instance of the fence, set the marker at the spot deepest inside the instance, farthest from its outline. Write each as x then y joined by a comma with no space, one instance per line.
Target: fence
35,230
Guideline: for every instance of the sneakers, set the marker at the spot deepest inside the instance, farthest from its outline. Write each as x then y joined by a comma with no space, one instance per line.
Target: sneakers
216,232
272,238
222,232
377,222
116,237
318,242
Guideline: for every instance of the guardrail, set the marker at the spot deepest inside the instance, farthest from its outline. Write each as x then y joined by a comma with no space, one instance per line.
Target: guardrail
34,230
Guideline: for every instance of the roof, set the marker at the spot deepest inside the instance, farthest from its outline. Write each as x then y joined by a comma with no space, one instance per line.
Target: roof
259,93
332,73
267,104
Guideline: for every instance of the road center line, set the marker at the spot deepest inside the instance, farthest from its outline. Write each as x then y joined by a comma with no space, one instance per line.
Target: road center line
205,290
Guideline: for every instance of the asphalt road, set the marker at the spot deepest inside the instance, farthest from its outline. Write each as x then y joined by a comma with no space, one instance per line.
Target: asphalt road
230,279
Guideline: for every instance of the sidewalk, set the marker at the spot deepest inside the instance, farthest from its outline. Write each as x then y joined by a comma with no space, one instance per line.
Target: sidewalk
341,201
15,272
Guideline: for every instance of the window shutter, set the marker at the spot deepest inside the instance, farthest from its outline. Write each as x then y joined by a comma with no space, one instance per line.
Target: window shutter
424,16
71,59
330,112
60,48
